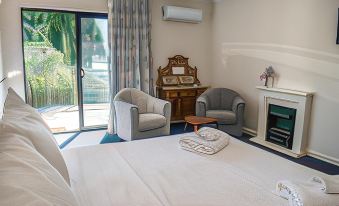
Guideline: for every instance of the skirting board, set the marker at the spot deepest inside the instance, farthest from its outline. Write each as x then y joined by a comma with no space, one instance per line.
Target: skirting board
249,131
323,157
311,153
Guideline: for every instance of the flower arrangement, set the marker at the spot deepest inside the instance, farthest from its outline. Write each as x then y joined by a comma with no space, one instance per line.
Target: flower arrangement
268,73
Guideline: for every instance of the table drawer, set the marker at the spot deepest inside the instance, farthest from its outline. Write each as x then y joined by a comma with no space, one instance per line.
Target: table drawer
171,94
187,93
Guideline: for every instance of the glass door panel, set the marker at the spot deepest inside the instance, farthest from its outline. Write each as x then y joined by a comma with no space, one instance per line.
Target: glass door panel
94,70
49,42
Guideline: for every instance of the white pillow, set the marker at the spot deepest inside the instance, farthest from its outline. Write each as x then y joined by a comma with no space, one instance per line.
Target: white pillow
27,178
26,121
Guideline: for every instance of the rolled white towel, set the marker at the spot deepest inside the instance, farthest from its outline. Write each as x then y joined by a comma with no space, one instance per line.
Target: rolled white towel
210,134
329,184
305,194
200,145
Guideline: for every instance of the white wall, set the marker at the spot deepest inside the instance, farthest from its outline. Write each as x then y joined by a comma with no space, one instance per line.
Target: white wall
190,40
10,25
298,39
2,92
168,38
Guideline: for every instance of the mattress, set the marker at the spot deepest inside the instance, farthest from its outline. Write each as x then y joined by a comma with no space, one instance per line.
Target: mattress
158,172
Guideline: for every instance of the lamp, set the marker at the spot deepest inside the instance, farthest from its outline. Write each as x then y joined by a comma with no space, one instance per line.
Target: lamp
3,79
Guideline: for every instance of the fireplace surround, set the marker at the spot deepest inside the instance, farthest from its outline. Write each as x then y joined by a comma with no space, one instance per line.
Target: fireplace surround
284,117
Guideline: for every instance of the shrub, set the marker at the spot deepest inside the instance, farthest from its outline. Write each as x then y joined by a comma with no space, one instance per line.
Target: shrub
50,81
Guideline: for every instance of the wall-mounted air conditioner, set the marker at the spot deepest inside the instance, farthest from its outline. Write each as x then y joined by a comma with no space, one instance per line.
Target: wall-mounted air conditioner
182,14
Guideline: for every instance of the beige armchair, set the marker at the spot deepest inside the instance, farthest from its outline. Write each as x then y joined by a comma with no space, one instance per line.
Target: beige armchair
139,115
225,105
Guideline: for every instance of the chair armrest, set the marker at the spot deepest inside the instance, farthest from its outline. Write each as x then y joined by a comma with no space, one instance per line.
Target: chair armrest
160,106
201,105
127,117
239,109
238,102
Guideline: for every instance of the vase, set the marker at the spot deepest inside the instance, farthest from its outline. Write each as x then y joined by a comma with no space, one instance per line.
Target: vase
269,82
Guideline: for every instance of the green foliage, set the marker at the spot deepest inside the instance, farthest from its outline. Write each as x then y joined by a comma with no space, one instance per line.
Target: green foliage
50,57
50,54
56,29
48,76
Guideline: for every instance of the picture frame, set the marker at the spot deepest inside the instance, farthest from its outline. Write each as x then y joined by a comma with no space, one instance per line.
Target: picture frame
186,79
170,80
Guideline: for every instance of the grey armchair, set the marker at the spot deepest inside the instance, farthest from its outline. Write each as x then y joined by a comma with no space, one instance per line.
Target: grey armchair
139,115
225,105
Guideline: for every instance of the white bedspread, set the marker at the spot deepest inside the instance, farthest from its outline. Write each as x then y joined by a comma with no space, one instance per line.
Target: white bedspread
157,172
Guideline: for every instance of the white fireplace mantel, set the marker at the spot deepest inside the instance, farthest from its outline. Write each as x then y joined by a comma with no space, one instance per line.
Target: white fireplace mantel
299,100
286,91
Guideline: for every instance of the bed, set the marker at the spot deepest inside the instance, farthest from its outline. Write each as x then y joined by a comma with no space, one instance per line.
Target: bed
158,172
149,172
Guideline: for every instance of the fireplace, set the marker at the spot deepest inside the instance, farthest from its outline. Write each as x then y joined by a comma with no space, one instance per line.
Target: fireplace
283,120
280,125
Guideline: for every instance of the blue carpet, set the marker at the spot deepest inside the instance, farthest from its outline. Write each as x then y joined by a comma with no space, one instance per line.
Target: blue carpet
111,138
178,128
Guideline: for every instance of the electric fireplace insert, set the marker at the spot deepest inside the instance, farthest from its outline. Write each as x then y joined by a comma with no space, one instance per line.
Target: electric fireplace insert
280,125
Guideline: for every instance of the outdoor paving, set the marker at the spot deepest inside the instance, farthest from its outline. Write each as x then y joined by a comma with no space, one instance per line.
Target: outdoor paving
66,118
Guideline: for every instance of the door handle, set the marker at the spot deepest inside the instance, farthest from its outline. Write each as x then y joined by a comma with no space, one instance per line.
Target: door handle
82,73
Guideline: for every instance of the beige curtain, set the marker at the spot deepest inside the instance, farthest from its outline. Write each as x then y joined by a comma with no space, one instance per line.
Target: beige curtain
130,48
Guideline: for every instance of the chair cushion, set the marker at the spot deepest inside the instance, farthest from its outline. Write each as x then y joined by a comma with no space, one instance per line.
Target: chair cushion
150,121
223,116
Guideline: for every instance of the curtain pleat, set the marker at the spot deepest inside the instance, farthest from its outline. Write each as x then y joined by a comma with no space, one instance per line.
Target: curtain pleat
129,24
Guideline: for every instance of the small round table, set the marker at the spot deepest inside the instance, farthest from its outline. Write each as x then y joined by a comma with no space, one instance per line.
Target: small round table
197,121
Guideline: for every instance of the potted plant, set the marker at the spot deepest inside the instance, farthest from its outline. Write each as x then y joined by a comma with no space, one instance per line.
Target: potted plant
268,75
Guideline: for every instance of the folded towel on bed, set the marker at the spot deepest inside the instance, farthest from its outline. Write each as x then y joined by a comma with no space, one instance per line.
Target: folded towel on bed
210,134
195,144
200,145
305,194
329,185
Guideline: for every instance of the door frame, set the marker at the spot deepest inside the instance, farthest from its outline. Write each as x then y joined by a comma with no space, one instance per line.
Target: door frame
78,16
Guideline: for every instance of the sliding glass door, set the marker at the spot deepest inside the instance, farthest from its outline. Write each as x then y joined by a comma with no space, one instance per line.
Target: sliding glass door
49,44
94,69
66,67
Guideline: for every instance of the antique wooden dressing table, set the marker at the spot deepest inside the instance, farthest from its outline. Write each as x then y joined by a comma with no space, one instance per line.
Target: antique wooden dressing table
178,83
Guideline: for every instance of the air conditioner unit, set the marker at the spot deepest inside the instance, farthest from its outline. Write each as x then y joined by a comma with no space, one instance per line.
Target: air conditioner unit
182,14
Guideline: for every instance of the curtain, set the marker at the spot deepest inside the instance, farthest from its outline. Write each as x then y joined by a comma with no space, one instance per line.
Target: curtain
129,23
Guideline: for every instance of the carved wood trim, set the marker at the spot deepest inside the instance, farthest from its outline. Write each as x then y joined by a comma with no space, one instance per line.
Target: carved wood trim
177,61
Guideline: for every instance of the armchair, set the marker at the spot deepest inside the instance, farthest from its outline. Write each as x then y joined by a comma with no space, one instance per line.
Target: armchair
139,115
225,105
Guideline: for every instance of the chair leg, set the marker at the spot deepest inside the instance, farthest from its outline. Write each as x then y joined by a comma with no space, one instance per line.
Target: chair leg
196,128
